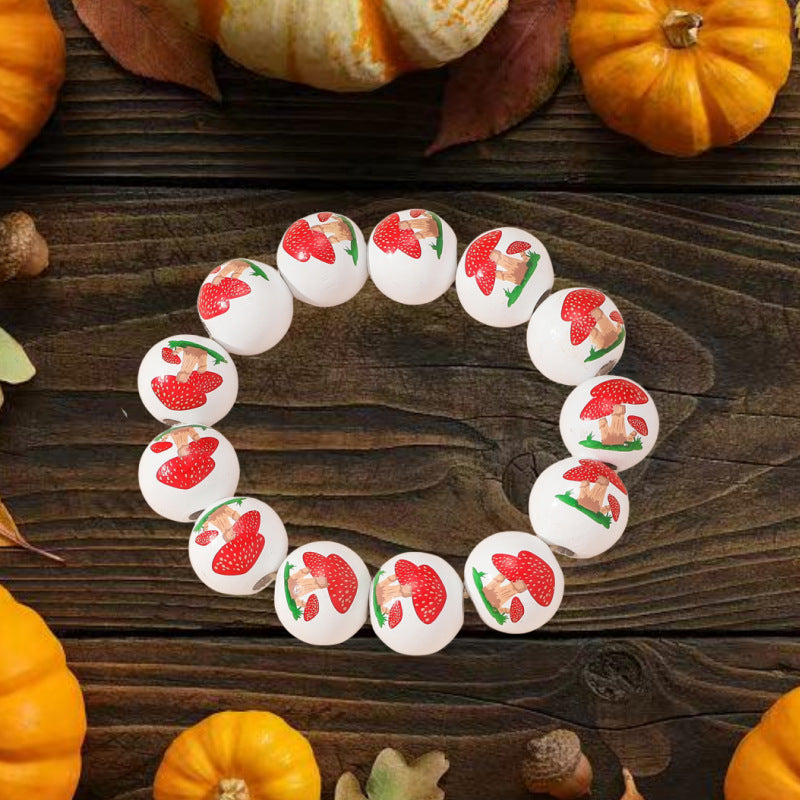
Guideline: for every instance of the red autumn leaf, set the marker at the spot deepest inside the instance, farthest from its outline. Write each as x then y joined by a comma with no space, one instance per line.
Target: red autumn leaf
509,75
142,37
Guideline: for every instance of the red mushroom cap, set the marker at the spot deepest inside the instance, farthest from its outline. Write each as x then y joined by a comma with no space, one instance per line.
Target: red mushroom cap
590,470
518,247
534,571
638,424
597,407
615,391
577,308
613,504
479,251
427,590
342,581
620,390
311,609
604,469
507,566
516,610
616,317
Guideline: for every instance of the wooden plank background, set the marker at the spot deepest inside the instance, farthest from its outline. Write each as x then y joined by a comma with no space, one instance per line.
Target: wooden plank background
387,427
114,127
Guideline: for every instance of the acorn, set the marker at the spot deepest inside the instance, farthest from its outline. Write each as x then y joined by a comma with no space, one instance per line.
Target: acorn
556,765
23,250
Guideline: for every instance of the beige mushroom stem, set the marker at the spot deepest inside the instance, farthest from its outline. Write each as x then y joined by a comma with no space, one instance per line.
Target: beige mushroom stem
232,789
388,590
233,269
556,765
193,358
335,230
592,497
682,27
182,437
498,593
23,250
223,519
605,332
303,583
424,227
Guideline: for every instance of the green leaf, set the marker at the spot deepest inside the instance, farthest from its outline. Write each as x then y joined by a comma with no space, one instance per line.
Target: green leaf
15,366
394,779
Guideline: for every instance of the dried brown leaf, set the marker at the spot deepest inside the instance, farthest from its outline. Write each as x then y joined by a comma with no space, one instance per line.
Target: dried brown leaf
10,536
509,75
144,38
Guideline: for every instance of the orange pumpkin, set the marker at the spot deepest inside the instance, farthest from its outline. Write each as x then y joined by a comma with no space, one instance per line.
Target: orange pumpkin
32,57
239,754
766,764
682,76
42,716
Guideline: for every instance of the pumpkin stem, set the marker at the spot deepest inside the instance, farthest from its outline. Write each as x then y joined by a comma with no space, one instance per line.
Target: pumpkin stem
681,28
232,789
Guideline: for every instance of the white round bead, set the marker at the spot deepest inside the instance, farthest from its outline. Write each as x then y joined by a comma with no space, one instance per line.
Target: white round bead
576,334
323,259
245,306
413,256
502,276
186,469
579,507
188,378
611,419
236,544
321,593
514,581
416,604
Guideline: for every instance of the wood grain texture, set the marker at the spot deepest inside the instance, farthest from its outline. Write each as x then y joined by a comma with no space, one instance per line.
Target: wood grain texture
672,712
111,125
389,428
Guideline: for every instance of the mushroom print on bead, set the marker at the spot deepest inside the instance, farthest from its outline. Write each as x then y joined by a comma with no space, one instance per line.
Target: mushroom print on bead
245,306
596,421
412,256
502,276
514,581
236,546
321,593
323,259
185,469
188,379
416,603
576,334
579,506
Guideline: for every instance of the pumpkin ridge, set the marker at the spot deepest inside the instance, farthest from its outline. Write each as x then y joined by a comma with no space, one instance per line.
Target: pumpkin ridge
717,118
383,44
742,61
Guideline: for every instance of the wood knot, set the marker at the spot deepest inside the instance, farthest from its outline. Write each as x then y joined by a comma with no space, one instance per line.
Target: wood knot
521,473
615,674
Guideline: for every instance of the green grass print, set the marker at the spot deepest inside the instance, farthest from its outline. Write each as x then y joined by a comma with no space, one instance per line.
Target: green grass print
514,294
376,606
352,251
602,519
477,577
218,359
293,607
595,354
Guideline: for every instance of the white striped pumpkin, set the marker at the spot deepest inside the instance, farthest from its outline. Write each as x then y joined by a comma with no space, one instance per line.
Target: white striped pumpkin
343,45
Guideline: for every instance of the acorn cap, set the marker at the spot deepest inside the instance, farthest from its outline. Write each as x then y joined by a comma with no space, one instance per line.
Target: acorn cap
551,758
23,250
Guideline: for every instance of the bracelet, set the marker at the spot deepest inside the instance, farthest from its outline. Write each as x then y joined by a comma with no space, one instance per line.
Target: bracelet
238,545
